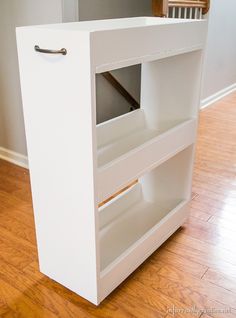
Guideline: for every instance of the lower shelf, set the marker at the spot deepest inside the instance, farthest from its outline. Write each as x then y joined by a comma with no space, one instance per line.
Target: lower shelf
136,222
124,222
130,235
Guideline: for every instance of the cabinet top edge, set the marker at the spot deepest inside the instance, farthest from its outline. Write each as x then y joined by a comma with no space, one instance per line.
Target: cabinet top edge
112,24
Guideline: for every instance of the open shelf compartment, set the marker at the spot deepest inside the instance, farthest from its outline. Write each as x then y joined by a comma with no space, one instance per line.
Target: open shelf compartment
139,220
126,133
132,144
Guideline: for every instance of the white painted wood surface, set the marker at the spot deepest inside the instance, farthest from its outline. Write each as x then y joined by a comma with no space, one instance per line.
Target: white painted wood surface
134,163
88,249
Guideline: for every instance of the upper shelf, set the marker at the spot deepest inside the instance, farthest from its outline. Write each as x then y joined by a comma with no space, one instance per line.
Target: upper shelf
114,24
117,43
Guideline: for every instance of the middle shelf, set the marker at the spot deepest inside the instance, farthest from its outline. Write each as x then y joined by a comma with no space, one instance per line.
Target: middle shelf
128,146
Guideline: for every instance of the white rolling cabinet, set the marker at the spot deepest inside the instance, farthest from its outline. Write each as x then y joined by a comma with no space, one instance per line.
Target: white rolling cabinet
76,164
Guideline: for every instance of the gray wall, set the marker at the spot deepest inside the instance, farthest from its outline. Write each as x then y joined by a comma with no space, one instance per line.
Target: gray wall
107,9
220,62
17,13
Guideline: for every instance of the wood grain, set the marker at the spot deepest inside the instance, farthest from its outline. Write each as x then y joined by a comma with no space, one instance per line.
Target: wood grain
160,7
164,256
189,298
195,267
224,280
216,254
204,288
200,214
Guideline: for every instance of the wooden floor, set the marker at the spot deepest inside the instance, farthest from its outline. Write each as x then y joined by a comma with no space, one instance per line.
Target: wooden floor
195,268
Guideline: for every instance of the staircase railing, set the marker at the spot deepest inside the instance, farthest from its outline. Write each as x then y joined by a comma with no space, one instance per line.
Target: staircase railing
186,9
123,91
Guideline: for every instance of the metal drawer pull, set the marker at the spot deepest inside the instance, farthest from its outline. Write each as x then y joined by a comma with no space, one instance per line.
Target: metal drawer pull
61,51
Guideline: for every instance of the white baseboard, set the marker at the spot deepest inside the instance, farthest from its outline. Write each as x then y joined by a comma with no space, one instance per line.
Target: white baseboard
217,96
14,157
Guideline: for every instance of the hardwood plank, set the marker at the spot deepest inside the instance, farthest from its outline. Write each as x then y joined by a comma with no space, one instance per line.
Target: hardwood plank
189,298
201,206
163,256
214,186
5,311
226,210
9,201
208,237
13,256
19,229
216,253
154,298
200,214
214,202
10,239
21,306
205,178
209,290
134,306
202,256
209,227
224,222
226,281
210,234
222,197
16,214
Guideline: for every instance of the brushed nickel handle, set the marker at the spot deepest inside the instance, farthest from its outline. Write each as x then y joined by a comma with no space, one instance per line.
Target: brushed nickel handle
47,51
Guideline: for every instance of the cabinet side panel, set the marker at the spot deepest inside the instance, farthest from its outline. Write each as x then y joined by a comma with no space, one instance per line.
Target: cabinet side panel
58,99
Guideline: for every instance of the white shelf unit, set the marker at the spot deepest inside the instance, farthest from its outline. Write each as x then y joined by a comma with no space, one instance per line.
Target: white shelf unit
76,164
